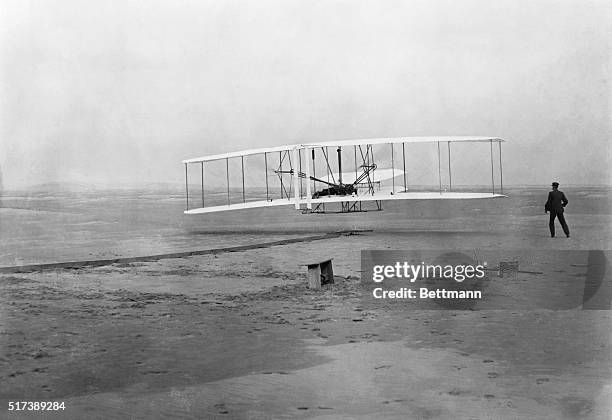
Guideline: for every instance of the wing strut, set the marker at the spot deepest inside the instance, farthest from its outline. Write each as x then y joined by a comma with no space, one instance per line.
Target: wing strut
404,161
501,172
308,177
300,169
186,187
280,172
392,169
296,188
325,153
355,150
492,176
227,178
314,170
450,177
242,163
202,183
280,176
439,169
288,155
266,165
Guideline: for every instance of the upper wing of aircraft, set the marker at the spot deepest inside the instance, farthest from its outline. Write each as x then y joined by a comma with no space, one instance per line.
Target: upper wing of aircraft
311,175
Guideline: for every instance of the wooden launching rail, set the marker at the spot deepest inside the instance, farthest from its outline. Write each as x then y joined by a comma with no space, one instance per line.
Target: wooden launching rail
75,265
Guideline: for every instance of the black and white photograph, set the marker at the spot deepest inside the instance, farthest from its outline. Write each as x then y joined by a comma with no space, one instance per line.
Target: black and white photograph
309,209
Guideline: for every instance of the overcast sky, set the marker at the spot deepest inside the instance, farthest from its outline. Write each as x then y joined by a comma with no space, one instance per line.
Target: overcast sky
112,92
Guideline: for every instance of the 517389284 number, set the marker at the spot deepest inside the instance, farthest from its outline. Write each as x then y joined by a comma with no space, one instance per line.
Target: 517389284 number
36,405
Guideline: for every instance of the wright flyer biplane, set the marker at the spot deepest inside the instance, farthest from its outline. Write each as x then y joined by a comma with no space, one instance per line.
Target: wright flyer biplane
346,175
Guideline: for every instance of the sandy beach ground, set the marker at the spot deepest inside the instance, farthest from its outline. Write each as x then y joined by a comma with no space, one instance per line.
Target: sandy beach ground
239,335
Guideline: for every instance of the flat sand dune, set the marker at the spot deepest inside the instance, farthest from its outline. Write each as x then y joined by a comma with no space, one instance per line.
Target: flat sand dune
239,335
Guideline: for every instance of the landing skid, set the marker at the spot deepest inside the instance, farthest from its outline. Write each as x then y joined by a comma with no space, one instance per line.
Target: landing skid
345,207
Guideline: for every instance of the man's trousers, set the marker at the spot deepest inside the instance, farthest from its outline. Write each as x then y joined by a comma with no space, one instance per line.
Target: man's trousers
561,217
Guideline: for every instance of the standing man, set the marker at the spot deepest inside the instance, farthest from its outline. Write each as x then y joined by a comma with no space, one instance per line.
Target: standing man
555,204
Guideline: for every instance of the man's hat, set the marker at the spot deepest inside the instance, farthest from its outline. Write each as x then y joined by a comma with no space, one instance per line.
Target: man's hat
555,184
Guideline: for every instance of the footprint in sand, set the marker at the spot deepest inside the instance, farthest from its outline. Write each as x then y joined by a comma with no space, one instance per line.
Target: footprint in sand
12,375
455,392
40,354
221,409
382,367
155,372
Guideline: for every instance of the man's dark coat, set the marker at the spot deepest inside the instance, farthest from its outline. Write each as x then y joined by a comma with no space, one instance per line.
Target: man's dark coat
556,201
